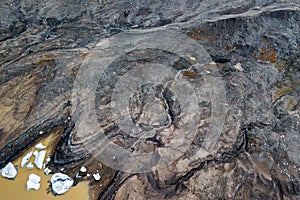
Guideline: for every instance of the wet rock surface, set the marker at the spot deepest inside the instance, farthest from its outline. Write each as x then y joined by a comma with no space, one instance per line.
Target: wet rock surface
254,46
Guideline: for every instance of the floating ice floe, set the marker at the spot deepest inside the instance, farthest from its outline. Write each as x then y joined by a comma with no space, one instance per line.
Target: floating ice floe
36,152
39,159
25,159
83,169
97,176
30,166
40,146
61,183
47,171
9,171
33,182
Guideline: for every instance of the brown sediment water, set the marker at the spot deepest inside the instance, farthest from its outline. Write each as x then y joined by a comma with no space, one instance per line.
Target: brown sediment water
16,189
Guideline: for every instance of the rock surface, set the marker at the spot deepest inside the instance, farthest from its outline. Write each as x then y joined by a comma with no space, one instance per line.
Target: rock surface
254,45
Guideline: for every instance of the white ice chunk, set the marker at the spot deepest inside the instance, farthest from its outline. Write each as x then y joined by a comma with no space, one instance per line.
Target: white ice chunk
47,171
35,152
77,175
83,169
25,159
48,159
9,171
40,146
30,166
33,182
97,176
39,159
61,183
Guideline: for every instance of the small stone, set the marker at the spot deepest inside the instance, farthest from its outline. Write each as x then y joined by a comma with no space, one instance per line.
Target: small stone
25,159
61,183
83,169
239,67
30,166
9,171
41,132
33,182
135,26
97,176
39,159
88,175
40,146
192,58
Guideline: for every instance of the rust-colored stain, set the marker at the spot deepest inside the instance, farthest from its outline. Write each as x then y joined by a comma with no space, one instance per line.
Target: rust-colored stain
283,92
288,84
200,34
190,74
47,60
267,54
89,55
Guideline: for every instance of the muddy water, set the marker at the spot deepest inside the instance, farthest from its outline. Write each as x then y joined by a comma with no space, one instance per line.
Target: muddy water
16,189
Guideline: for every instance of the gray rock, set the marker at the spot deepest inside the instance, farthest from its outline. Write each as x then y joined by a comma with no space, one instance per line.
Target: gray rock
255,46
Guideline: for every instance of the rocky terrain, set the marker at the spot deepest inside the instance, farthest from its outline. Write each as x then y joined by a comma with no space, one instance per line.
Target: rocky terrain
251,45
